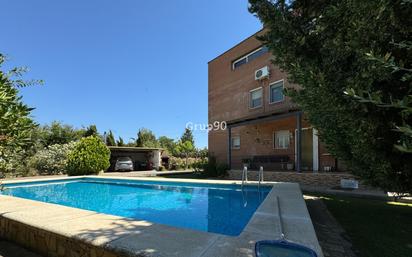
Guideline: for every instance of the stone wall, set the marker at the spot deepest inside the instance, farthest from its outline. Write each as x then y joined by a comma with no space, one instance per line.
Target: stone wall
330,179
47,243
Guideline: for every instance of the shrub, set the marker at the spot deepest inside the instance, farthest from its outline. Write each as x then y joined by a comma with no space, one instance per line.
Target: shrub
176,163
15,164
199,165
214,169
52,160
221,169
89,156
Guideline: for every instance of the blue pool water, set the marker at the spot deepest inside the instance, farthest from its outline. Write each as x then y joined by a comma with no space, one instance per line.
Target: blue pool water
223,209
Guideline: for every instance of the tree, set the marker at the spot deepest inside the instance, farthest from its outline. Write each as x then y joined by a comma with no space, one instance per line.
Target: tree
132,142
352,60
120,142
58,133
89,156
202,152
16,125
185,148
167,143
146,138
91,131
110,141
188,136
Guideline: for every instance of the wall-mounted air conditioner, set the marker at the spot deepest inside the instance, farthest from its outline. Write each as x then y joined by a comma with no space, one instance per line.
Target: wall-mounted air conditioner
262,73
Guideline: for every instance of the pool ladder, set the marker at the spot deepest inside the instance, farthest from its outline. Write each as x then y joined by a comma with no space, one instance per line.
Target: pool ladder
244,176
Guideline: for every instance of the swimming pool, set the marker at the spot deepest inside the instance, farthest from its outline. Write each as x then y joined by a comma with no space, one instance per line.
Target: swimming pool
223,209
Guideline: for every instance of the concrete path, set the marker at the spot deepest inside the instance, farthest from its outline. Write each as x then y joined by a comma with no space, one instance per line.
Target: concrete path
147,173
34,177
8,249
332,237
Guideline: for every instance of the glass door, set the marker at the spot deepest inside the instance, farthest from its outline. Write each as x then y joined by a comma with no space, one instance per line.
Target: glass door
307,148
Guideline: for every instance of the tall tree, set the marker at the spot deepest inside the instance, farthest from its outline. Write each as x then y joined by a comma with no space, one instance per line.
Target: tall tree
120,142
353,61
188,136
110,141
146,138
58,133
91,131
16,125
167,143
185,148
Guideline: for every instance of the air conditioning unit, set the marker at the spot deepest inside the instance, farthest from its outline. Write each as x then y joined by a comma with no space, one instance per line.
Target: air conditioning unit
262,73
349,184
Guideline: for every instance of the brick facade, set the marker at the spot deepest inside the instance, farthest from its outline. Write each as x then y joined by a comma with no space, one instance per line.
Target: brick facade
229,101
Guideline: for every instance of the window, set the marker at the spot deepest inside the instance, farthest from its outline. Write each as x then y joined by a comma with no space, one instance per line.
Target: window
282,139
236,142
256,98
249,57
239,63
257,54
276,92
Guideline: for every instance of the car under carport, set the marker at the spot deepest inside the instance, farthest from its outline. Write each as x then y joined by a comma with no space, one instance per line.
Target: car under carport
144,158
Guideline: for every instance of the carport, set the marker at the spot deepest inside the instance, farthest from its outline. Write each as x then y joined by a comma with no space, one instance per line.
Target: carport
144,158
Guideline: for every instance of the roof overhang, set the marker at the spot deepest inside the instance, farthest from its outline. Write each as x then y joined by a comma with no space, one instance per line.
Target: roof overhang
133,149
262,118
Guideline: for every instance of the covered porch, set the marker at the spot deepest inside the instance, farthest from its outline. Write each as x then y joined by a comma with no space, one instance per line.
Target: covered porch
277,142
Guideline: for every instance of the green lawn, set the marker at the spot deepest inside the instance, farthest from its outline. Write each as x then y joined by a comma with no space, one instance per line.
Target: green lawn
376,228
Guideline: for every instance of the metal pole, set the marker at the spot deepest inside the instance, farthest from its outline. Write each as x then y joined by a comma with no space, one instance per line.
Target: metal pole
260,174
298,141
229,148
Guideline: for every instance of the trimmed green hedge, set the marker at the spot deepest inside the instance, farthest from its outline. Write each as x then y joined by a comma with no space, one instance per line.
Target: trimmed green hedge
89,156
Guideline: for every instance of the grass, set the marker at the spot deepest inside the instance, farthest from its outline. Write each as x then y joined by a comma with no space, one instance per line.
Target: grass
376,228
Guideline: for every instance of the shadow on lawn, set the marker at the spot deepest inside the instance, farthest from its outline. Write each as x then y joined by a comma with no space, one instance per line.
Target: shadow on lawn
332,237
377,228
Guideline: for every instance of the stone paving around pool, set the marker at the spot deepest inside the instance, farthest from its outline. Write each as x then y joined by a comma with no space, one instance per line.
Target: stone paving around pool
58,231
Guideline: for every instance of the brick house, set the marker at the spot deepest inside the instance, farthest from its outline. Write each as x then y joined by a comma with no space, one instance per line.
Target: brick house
264,127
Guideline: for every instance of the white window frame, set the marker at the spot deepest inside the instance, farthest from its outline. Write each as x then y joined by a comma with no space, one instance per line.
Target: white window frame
270,91
244,56
238,60
275,145
232,145
250,98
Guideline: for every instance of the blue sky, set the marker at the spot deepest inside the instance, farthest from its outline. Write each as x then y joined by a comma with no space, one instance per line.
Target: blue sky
121,65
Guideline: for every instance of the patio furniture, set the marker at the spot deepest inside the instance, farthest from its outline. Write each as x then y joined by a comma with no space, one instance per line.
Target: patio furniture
270,161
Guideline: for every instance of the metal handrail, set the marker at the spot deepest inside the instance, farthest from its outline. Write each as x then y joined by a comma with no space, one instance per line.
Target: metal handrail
260,175
244,175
